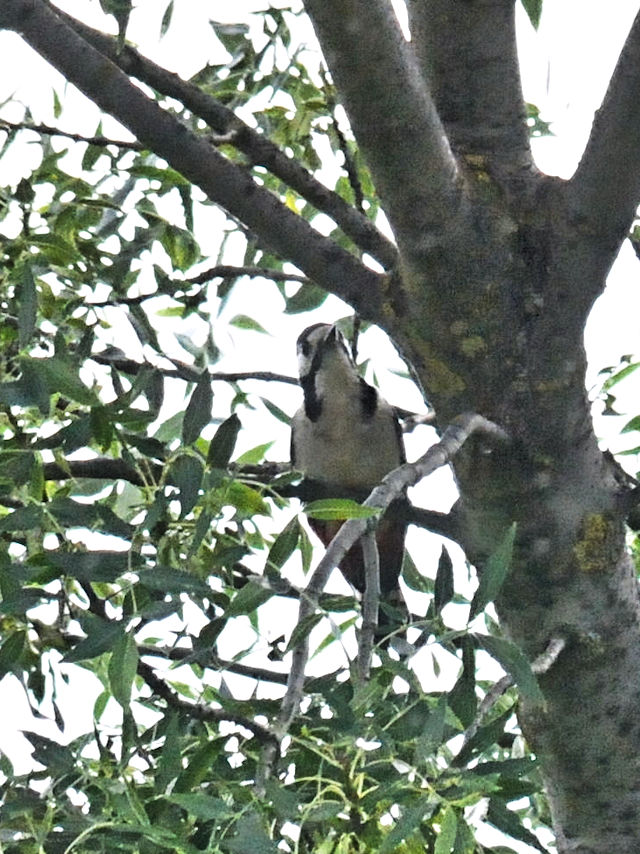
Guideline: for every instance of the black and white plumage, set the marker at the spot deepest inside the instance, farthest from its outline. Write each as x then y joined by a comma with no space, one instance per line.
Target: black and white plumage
347,438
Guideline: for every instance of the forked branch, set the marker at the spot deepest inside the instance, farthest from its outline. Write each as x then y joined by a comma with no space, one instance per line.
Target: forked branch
392,487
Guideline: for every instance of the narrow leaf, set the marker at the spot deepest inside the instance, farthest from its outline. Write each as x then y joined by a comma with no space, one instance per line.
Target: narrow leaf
186,473
122,668
247,599
223,443
27,307
533,8
508,822
514,661
166,19
284,544
198,412
448,829
443,591
329,509
462,697
493,574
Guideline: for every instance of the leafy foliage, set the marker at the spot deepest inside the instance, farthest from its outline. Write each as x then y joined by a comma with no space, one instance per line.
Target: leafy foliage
134,554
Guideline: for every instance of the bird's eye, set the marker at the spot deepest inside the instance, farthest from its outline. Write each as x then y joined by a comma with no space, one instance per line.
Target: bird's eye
305,348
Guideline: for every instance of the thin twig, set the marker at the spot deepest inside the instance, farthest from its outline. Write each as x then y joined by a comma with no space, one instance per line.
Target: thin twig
226,271
220,271
188,373
201,713
46,130
177,653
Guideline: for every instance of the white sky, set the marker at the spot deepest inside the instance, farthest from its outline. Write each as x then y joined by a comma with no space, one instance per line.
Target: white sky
566,66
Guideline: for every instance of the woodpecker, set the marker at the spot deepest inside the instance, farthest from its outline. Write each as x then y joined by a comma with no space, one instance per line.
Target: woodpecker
347,438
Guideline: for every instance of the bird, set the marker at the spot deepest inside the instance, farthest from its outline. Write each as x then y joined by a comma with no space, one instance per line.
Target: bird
345,438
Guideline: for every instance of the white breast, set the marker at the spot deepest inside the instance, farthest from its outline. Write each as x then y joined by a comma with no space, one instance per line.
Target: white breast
342,448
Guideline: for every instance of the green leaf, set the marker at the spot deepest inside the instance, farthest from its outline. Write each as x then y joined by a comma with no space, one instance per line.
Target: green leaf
508,822
448,829
122,668
202,806
198,412
172,580
462,697
533,8
620,375
433,732
284,544
23,519
101,637
405,826
413,578
166,19
11,653
634,424
31,389
329,509
243,321
494,573
303,630
278,413
181,246
248,598
62,377
223,443
186,473
443,589
254,455
306,298
516,664
27,307
251,837
93,565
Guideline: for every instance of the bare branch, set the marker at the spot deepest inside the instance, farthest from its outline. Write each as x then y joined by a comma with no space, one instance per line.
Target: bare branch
392,114
226,183
233,131
225,271
177,653
605,190
45,130
392,487
188,373
99,468
370,603
201,713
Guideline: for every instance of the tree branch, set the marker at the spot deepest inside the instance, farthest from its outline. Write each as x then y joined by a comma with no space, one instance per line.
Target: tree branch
479,100
605,190
392,487
392,114
201,713
188,373
231,130
225,271
370,604
178,653
224,182
45,130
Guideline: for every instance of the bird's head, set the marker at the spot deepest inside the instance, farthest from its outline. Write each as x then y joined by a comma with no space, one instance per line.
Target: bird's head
323,346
